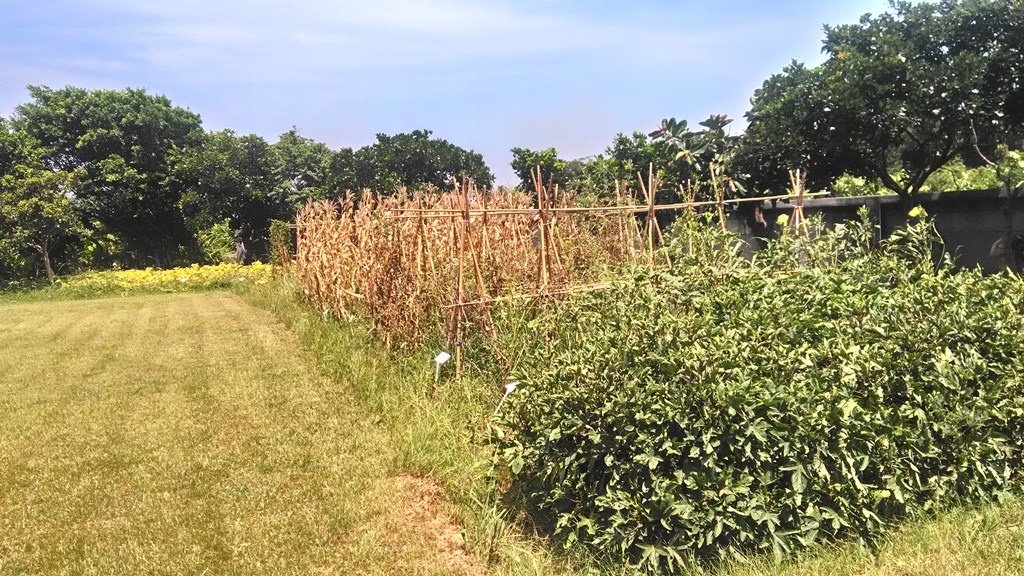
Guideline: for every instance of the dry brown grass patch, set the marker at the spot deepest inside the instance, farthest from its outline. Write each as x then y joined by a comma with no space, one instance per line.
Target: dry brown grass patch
418,530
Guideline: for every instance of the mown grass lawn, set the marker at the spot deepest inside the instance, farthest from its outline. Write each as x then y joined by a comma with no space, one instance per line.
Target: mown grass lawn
191,433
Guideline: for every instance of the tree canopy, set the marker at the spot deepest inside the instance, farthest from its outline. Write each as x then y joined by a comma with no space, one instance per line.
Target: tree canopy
36,212
415,159
552,168
900,95
304,166
241,179
126,171
120,140
627,159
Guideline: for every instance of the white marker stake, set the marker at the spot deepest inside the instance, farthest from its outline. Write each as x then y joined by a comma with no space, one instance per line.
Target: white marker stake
440,359
508,390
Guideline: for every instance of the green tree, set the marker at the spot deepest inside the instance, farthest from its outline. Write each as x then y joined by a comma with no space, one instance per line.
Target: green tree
12,145
900,95
632,157
552,168
591,179
13,253
785,132
238,178
415,159
303,168
36,211
120,140
341,172
708,154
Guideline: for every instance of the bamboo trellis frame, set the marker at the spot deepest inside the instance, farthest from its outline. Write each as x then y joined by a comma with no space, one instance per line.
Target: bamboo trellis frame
392,256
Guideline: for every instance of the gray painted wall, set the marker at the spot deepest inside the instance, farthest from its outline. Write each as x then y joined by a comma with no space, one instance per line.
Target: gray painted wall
970,221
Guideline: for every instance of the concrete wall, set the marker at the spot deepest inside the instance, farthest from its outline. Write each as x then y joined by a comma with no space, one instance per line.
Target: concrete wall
970,222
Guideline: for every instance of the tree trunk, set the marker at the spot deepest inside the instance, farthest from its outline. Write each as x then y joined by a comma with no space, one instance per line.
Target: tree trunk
44,250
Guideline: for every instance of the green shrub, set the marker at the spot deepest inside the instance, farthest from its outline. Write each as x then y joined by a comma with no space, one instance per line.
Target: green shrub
849,185
723,406
957,176
217,243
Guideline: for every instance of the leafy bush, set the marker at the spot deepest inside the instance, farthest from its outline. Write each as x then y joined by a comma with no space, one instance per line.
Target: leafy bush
217,242
722,406
953,176
956,176
1011,168
849,185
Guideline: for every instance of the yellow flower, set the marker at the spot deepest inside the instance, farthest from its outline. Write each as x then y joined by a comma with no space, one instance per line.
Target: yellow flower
917,212
783,219
176,279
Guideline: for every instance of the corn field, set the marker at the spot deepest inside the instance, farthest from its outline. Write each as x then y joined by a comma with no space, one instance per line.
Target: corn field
427,266
432,264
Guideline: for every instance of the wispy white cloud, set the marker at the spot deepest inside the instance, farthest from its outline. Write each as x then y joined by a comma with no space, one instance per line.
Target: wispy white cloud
319,35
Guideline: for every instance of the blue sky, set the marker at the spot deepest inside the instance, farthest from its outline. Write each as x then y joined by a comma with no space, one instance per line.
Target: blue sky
487,75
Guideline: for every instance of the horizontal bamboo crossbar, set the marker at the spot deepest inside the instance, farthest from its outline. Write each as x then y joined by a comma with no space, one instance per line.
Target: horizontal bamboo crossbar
399,212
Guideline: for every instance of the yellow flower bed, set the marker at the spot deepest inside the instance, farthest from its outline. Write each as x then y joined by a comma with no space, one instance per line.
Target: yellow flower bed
194,277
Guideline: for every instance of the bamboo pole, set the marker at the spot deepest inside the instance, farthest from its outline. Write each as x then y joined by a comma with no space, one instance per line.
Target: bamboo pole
421,247
460,311
538,184
649,219
689,194
486,230
430,253
797,179
620,219
477,273
552,234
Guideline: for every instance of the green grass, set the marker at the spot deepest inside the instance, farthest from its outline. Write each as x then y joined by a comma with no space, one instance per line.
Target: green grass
192,433
987,541
435,429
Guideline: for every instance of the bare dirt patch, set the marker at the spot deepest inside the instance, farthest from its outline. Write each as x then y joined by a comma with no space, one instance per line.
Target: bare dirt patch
417,527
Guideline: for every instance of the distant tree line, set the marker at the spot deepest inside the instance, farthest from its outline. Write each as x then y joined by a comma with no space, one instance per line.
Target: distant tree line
123,177
900,96
927,96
